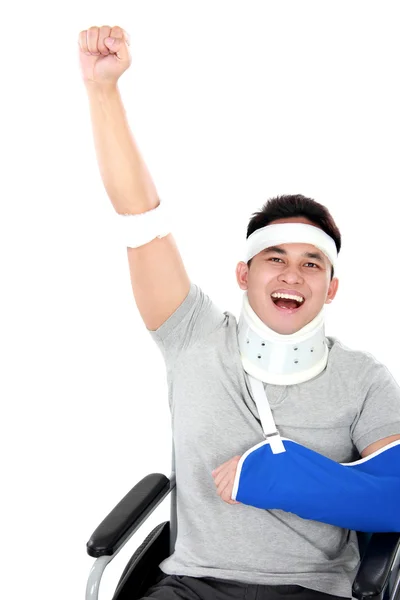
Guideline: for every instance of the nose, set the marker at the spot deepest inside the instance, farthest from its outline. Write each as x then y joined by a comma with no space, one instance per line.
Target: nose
290,275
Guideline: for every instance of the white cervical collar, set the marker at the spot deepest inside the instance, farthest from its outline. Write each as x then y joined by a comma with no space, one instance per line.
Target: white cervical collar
277,358
272,357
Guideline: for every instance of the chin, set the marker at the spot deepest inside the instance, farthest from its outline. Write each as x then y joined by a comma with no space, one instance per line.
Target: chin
288,326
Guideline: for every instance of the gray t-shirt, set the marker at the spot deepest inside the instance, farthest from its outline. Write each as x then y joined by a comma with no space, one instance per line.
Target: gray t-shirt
351,404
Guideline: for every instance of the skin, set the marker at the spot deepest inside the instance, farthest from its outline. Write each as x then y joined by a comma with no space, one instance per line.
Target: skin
268,272
272,271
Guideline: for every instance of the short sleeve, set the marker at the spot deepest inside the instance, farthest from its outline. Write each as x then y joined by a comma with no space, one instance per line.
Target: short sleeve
379,414
189,325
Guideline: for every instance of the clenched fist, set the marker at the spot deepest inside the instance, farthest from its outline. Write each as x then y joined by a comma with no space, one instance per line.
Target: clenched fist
104,54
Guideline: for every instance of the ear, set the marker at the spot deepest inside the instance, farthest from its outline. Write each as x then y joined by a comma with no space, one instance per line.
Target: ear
242,272
332,290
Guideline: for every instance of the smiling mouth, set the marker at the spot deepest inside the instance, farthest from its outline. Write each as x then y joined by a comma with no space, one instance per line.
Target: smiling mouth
287,305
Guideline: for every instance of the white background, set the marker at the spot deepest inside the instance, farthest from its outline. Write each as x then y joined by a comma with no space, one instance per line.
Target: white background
230,103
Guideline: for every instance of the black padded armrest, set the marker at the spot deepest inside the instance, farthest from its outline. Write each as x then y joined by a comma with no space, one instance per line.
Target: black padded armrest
128,515
376,565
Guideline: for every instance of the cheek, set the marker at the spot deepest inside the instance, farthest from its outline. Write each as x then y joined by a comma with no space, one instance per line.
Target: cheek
320,291
262,273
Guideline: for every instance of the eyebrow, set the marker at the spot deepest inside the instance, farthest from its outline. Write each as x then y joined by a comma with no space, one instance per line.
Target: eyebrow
315,255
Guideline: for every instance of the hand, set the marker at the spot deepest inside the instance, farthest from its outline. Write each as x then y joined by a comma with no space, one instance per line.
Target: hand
102,61
224,476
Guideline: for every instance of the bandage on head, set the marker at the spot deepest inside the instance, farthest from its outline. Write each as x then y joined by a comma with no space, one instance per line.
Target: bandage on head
290,233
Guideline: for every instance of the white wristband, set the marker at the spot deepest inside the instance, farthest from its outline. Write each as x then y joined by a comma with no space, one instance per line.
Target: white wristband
138,230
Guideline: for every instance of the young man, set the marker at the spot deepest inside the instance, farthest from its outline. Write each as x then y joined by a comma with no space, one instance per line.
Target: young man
337,404
351,407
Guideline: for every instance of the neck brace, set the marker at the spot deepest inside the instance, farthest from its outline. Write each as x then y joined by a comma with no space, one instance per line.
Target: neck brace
277,358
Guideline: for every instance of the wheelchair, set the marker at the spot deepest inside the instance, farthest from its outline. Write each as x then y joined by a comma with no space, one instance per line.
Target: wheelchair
378,575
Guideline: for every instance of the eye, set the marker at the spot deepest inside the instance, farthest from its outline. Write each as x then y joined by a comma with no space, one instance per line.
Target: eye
275,258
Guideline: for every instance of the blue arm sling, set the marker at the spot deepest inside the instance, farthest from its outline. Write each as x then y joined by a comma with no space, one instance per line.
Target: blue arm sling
279,473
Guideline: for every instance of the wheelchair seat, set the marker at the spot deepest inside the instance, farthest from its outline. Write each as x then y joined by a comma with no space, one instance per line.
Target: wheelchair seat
378,575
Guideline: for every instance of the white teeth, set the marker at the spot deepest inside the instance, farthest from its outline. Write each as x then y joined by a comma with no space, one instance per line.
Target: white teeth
288,296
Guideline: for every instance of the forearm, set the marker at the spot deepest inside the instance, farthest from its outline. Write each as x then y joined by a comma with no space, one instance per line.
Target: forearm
364,495
125,175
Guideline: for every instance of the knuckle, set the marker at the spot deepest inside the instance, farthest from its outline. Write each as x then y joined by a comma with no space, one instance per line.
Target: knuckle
116,31
104,32
82,39
92,39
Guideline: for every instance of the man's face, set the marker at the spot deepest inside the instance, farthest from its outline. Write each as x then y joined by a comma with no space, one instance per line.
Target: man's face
288,268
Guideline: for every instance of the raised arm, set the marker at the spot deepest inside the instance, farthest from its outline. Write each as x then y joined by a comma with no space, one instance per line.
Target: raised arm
158,276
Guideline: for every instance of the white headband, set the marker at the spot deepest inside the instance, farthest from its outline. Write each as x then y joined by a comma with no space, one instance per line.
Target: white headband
290,233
